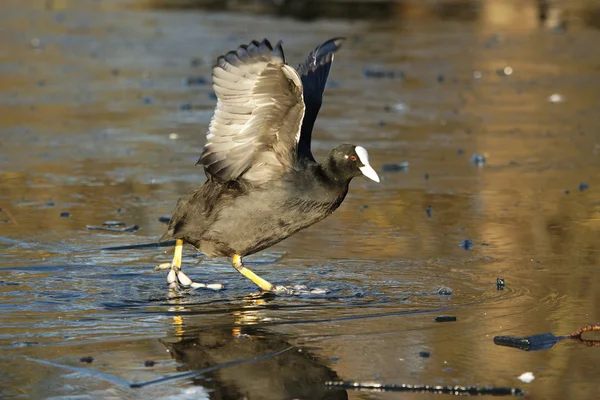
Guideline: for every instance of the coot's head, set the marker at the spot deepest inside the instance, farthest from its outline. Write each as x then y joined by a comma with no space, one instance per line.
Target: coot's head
347,161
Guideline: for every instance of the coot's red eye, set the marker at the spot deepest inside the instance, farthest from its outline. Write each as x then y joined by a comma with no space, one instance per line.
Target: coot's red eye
353,158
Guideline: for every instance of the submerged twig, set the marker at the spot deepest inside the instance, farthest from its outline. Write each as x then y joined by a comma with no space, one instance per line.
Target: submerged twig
169,378
587,328
453,390
576,336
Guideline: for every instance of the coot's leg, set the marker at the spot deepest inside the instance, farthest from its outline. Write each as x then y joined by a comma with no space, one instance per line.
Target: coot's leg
176,278
263,284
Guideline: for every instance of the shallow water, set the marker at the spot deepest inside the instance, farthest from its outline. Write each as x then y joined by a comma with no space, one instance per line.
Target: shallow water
92,93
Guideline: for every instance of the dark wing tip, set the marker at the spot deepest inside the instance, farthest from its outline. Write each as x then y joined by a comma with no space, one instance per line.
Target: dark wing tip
322,54
254,50
334,44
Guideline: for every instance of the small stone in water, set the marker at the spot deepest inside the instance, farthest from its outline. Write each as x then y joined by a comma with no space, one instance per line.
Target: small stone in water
50,203
428,211
426,176
445,291
467,244
583,186
185,106
149,363
555,98
478,159
87,359
526,377
460,152
424,354
477,74
440,78
566,191
65,214
147,100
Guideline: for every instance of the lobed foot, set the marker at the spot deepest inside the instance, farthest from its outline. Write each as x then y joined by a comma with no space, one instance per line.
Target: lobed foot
178,280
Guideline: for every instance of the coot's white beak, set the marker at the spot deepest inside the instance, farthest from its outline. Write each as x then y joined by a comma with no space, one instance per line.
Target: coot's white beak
366,169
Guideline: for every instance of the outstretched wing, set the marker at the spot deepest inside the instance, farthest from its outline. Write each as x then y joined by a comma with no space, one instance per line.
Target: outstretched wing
314,72
256,126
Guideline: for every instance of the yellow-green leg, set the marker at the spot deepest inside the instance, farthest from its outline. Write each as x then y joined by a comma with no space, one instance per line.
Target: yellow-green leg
260,282
176,278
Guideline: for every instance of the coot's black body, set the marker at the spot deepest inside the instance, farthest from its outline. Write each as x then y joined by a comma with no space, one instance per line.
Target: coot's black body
255,217
263,184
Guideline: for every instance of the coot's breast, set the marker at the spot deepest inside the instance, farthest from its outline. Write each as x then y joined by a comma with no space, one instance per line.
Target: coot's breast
263,217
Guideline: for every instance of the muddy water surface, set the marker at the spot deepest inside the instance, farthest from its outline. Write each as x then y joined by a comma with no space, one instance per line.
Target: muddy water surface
98,122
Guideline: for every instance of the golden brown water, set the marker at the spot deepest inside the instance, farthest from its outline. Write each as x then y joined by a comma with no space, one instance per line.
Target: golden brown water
91,92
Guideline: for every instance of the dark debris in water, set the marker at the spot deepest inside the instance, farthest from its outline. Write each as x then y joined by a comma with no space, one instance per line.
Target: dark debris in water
428,211
583,186
401,166
500,283
195,81
132,228
478,159
445,291
9,283
424,354
445,318
467,244
438,389
65,214
528,343
149,363
378,74
164,219
87,359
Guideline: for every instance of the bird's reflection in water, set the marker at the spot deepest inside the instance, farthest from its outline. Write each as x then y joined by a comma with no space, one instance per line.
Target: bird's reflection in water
295,374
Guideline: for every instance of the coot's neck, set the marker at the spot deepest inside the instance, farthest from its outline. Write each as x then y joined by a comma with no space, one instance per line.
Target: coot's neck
333,175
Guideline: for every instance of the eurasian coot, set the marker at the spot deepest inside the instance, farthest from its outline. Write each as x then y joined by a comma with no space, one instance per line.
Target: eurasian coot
263,183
